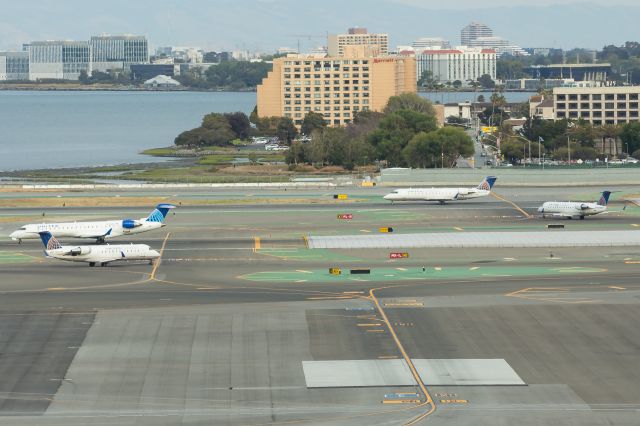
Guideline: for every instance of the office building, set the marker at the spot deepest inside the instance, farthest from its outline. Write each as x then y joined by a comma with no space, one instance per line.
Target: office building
597,105
358,37
60,60
118,51
461,64
430,43
336,87
14,66
473,31
148,71
500,45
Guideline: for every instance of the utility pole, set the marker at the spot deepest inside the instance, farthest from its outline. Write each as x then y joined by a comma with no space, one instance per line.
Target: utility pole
568,149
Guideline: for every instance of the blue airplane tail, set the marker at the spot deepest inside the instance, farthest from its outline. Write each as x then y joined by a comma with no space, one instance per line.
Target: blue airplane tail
50,242
160,213
604,198
487,183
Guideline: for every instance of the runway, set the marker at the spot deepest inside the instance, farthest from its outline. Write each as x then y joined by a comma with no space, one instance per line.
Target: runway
217,333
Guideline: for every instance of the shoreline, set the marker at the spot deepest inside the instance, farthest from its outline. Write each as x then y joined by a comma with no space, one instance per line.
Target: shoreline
73,87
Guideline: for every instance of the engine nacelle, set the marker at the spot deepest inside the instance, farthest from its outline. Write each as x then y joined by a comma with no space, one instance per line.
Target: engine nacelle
584,206
463,191
130,223
77,251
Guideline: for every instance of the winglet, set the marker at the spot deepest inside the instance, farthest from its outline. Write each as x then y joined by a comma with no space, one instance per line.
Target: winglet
604,198
50,242
160,213
487,183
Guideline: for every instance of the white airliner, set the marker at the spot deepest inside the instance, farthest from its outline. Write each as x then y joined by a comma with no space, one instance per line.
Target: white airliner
99,230
442,195
93,255
570,209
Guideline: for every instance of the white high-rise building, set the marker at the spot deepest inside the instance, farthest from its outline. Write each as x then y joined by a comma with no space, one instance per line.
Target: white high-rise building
462,63
118,51
500,45
473,31
428,43
60,60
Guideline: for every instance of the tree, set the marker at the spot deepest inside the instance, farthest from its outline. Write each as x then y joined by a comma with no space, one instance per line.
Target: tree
486,82
237,74
410,101
457,84
286,131
312,121
220,132
630,135
427,81
481,98
84,77
438,148
239,123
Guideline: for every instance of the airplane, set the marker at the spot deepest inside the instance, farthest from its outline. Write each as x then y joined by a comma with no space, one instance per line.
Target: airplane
441,195
570,209
101,254
99,230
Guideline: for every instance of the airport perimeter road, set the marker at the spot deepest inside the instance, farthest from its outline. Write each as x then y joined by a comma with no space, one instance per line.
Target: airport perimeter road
217,332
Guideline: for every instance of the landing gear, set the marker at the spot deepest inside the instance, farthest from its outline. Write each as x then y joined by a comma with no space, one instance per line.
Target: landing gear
581,217
100,240
19,240
103,264
92,264
441,203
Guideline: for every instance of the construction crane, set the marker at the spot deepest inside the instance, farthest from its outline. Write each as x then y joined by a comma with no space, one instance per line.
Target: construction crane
308,37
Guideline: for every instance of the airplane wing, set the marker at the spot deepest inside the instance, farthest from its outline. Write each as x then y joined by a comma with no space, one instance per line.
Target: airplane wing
96,234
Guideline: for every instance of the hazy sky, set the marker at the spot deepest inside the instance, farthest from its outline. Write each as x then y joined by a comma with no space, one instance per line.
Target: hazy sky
268,24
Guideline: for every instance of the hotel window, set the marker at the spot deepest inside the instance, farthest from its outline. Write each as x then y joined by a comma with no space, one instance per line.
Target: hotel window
316,76
336,122
336,88
336,108
297,102
622,105
633,113
609,97
573,114
573,105
307,109
597,105
561,114
336,95
609,114
307,95
287,102
608,105
584,97
622,97
297,108
307,89
573,97
336,102
327,108
622,114
297,115
562,98
287,76
287,108
287,114
345,75
336,81
316,109
584,114
597,113
584,105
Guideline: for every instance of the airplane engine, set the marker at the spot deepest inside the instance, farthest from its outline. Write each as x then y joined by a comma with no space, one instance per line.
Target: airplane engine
77,251
463,191
584,206
130,224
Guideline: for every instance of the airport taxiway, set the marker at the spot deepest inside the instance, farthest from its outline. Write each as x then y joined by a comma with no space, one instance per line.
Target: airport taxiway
217,332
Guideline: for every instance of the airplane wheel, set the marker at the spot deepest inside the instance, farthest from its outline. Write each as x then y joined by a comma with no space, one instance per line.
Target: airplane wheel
570,217
581,217
103,264
100,240
92,263
20,241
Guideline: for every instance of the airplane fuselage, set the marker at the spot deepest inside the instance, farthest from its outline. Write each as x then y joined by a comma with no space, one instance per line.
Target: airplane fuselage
435,194
103,254
102,229
570,209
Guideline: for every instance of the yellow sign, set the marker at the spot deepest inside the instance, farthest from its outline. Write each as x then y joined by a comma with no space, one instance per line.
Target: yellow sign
342,196
488,129
368,184
385,230
335,271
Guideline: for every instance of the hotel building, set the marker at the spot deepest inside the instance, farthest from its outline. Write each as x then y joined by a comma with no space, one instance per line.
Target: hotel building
336,87
463,64
597,105
378,43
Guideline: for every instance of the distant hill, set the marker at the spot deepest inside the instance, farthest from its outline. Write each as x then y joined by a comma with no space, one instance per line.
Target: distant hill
268,24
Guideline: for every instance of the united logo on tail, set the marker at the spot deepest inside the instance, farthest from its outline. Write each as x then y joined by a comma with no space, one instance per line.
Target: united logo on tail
604,198
487,183
160,213
49,241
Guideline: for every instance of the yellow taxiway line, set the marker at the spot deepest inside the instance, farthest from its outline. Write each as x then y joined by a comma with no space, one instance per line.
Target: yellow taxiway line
157,263
414,372
515,206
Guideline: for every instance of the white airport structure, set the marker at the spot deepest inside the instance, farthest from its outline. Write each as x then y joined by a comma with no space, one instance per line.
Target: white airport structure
473,31
118,51
14,66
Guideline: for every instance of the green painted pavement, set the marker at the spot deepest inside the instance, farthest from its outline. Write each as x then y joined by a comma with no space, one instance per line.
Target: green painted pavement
10,257
414,273
307,255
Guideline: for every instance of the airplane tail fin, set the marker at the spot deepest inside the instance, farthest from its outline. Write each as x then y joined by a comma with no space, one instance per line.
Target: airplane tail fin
487,183
604,198
160,213
50,242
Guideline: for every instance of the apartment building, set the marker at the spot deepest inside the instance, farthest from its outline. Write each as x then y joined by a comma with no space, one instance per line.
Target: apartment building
379,43
597,105
463,64
473,31
336,87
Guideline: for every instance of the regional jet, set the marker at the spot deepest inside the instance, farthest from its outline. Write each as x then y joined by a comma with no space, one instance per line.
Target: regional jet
442,195
570,209
98,230
93,255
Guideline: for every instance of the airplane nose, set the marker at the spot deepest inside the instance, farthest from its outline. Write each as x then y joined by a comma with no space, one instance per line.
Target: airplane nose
387,197
155,253
540,209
